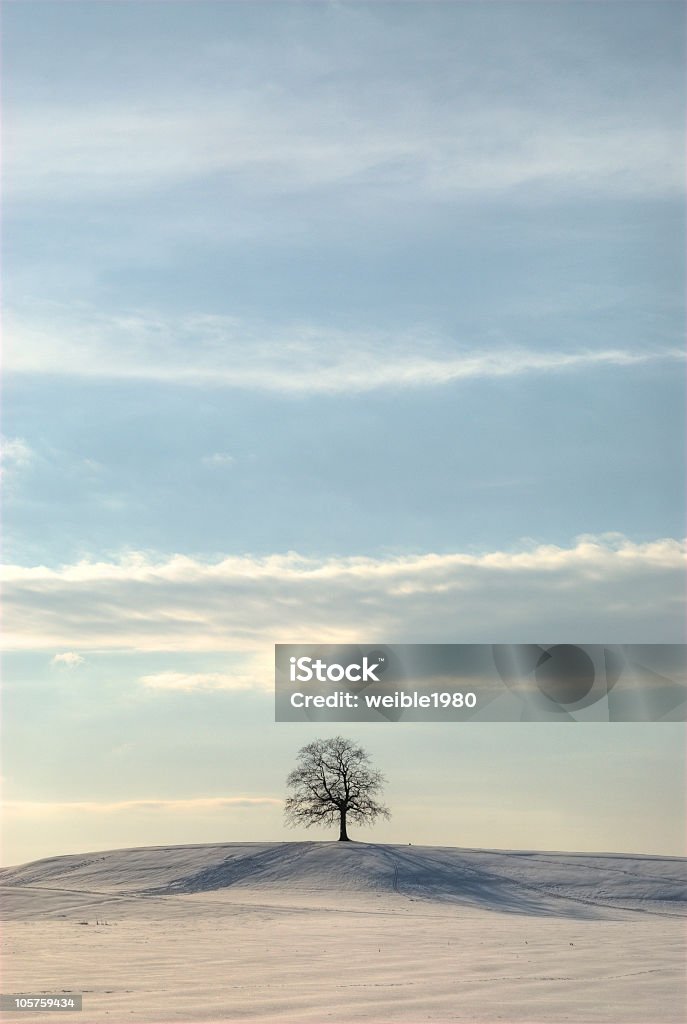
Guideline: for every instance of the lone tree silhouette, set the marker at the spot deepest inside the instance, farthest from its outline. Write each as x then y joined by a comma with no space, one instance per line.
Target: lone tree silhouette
333,783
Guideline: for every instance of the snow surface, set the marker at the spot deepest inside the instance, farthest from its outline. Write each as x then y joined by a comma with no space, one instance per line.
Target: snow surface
349,932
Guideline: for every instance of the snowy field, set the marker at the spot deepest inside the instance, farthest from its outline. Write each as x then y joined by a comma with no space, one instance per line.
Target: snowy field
320,932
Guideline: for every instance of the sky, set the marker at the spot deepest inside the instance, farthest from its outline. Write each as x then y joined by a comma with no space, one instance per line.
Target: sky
335,322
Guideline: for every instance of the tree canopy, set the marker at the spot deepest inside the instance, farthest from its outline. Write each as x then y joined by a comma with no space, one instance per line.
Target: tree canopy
334,783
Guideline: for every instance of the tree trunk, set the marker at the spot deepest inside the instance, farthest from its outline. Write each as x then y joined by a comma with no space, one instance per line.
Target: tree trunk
343,834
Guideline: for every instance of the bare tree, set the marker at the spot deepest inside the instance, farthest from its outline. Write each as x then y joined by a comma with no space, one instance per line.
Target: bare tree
333,783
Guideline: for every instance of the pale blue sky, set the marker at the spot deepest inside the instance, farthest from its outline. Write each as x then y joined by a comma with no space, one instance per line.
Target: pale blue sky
348,281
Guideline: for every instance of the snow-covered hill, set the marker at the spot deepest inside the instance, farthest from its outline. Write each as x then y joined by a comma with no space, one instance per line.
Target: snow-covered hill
307,933
533,883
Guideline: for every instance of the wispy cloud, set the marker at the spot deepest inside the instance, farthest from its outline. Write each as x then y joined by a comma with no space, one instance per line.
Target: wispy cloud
296,358
41,809
69,659
277,140
193,681
15,451
442,105
598,590
218,460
